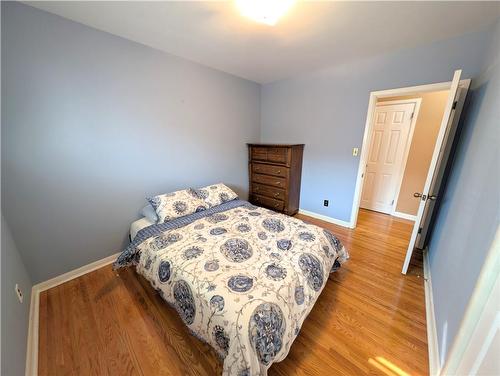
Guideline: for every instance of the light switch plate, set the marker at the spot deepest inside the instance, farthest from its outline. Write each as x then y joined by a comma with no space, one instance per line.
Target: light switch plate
355,152
19,293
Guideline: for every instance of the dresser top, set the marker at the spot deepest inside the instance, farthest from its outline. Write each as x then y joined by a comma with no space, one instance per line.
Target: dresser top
275,145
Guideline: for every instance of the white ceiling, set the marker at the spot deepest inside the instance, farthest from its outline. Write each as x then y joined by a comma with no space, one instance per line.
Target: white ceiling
312,35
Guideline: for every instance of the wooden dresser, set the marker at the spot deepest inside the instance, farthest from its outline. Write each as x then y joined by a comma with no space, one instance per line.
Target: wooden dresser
275,171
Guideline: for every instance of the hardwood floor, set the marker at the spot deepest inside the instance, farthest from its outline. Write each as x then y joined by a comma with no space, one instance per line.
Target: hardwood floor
370,319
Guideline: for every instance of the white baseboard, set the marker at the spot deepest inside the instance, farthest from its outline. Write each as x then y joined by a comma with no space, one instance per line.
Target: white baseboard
33,328
53,282
432,338
404,216
32,345
326,218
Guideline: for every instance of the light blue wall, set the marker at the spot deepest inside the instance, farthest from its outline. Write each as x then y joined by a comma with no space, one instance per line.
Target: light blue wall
92,123
15,315
326,110
469,215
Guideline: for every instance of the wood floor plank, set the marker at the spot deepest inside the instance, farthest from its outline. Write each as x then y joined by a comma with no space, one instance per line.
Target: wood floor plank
370,319
43,338
118,358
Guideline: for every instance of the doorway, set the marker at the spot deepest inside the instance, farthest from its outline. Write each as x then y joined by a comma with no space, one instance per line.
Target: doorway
386,178
390,140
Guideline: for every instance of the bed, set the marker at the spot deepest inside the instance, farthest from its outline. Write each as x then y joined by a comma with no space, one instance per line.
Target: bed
242,278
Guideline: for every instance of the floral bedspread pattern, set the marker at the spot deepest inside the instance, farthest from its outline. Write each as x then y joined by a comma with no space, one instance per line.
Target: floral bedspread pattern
243,280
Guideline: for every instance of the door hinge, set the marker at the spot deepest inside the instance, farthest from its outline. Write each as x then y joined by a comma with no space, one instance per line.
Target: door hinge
420,230
392,203
411,116
454,105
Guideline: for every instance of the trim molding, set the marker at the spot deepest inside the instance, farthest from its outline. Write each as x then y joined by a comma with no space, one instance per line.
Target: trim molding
56,281
374,96
430,318
409,217
32,345
33,328
463,357
326,218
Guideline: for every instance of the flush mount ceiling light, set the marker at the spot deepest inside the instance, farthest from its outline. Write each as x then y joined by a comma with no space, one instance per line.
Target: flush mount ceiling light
264,11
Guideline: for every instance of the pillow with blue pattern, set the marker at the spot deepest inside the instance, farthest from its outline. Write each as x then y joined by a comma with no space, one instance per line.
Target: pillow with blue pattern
176,204
215,194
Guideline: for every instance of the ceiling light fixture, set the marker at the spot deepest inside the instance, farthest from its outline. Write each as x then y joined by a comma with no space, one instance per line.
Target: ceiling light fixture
264,11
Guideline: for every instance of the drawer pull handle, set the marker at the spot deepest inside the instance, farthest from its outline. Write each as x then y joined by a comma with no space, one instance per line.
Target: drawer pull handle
278,183
256,188
278,172
276,194
276,205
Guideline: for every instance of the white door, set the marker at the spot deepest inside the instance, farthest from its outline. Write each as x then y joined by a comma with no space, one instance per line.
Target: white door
389,144
439,150
433,199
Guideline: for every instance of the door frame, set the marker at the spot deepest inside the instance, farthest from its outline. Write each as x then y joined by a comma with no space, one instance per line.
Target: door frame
372,102
406,152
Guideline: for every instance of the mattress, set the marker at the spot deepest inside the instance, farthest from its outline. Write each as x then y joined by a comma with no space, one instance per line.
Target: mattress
138,225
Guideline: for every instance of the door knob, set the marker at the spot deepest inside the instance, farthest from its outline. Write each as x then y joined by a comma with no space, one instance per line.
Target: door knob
416,194
432,197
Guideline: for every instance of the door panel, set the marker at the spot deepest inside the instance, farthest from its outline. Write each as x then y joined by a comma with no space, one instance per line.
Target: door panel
389,141
384,194
376,144
393,147
368,189
398,117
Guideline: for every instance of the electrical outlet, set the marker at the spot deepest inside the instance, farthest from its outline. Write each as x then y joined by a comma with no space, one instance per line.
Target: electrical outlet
355,152
19,293
325,202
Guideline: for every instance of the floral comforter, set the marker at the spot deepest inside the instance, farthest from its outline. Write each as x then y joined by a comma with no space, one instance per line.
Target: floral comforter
242,278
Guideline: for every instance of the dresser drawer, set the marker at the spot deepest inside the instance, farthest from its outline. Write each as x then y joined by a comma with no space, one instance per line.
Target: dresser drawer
269,180
267,169
277,155
265,190
259,153
267,202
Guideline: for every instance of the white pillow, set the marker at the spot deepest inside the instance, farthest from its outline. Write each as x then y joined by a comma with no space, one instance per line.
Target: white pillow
215,194
176,204
149,213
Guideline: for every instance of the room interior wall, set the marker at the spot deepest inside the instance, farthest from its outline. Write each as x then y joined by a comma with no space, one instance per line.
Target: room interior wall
470,211
421,148
93,123
15,315
326,110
